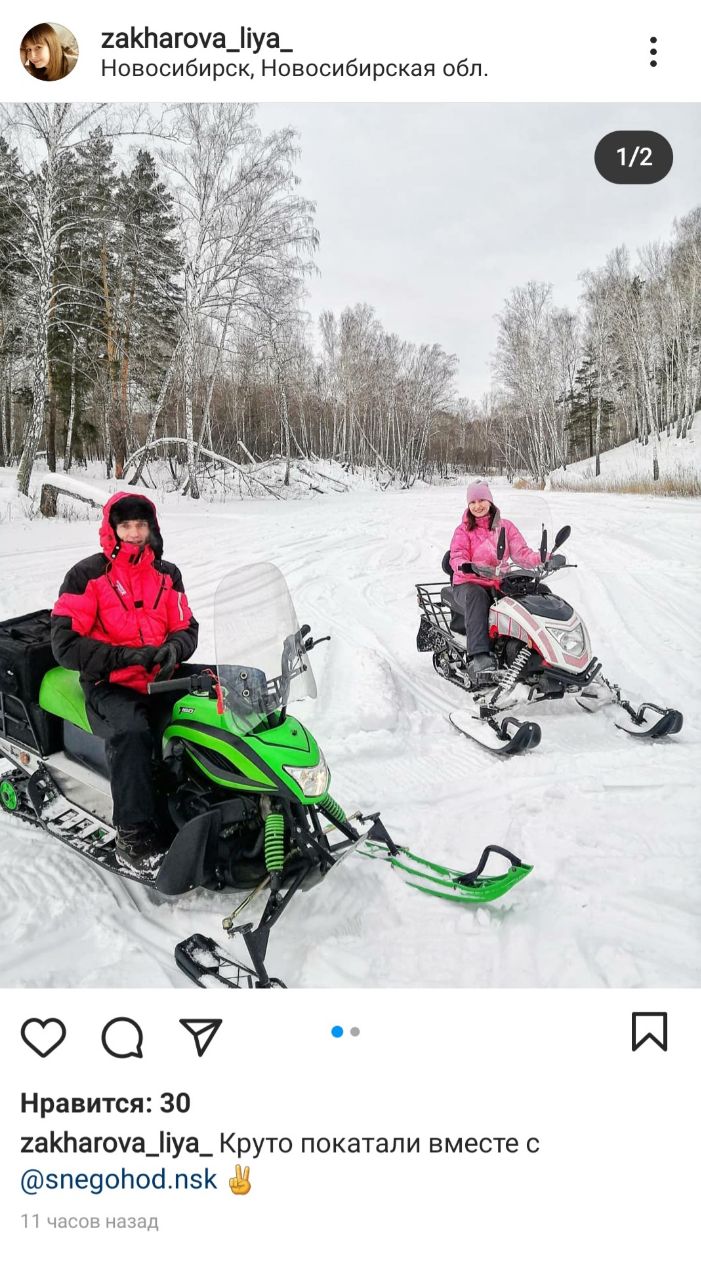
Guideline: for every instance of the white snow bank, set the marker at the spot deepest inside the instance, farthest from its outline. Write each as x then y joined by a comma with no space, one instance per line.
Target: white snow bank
14,505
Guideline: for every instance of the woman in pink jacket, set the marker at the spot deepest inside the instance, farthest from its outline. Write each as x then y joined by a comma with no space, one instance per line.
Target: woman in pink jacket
475,543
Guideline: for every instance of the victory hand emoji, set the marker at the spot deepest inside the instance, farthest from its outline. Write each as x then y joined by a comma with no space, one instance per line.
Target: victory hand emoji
240,1185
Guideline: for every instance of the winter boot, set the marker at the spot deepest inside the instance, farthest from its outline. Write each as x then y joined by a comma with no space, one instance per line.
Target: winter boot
139,847
482,668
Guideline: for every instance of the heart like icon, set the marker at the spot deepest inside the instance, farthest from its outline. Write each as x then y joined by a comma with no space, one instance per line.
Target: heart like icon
43,1037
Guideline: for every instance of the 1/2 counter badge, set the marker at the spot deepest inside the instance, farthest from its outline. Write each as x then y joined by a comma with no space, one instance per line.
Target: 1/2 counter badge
634,156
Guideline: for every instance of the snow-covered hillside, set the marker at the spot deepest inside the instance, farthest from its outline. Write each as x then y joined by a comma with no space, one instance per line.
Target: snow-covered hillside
631,465
611,824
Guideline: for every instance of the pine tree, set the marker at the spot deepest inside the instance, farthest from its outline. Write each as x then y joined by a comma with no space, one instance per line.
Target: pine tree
582,401
149,291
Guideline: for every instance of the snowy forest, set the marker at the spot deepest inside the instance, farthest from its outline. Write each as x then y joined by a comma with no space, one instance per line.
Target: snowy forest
152,304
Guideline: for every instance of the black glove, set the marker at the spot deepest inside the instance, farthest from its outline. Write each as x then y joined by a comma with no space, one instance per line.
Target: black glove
465,568
557,562
167,659
128,657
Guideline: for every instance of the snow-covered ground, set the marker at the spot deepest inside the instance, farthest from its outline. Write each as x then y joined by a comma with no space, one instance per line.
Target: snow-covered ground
610,823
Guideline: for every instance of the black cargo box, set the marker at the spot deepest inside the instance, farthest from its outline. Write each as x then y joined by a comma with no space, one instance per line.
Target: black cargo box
25,654
25,657
27,724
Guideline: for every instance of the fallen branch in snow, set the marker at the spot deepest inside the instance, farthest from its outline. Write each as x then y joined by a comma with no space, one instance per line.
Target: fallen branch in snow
247,452
151,446
52,485
338,485
226,464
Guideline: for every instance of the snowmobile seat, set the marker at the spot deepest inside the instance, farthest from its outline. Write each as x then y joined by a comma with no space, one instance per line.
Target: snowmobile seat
86,748
61,695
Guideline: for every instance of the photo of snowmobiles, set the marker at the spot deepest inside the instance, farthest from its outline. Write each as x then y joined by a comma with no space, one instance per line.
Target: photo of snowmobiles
542,651
243,787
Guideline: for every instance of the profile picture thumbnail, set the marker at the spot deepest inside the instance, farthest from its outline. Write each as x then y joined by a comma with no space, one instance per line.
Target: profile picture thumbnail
49,51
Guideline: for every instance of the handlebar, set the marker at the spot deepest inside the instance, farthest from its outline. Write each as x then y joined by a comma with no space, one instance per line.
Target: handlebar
169,686
295,647
538,571
183,684
531,571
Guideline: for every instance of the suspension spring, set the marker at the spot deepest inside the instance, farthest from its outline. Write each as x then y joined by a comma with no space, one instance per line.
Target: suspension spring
513,672
274,842
332,809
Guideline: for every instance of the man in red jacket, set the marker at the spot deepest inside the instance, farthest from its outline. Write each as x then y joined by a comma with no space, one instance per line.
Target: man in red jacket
121,619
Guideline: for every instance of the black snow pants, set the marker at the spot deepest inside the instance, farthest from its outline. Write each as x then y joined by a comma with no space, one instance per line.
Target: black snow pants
475,602
126,720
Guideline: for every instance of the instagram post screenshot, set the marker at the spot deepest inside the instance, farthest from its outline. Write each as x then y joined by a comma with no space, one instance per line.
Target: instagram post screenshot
350,515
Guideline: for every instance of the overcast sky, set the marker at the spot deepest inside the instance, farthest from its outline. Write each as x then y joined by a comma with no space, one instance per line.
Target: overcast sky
434,213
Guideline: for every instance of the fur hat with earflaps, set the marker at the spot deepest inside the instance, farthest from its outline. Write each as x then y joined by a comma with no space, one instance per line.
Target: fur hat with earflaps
135,506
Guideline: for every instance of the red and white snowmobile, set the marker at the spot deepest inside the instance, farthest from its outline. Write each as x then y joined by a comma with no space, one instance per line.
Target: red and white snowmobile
542,651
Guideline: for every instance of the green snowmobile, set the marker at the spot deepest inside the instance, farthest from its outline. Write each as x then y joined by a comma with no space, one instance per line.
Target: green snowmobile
243,787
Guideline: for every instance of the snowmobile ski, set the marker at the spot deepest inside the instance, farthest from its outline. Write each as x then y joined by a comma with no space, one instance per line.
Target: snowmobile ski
508,737
646,721
665,722
445,882
208,965
432,877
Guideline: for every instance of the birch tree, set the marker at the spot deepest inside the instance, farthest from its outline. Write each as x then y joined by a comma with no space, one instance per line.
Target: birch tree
52,131
242,225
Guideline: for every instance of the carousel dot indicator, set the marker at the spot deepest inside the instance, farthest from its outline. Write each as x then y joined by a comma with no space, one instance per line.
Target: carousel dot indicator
355,1031
337,1032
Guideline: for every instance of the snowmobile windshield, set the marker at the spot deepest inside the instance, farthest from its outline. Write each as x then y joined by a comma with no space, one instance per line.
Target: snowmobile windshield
262,663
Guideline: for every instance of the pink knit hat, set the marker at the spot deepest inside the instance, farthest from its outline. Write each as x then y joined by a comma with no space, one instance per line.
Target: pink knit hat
479,491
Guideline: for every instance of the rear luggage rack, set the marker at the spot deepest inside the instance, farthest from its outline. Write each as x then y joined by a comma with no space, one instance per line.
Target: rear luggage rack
435,610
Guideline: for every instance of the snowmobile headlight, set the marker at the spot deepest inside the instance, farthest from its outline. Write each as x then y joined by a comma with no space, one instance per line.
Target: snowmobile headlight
571,642
312,780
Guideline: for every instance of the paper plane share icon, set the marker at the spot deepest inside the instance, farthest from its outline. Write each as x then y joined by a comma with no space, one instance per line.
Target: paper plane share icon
202,1030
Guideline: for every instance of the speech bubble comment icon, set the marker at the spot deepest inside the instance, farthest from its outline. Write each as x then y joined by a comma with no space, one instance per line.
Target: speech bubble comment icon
43,1036
122,1038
